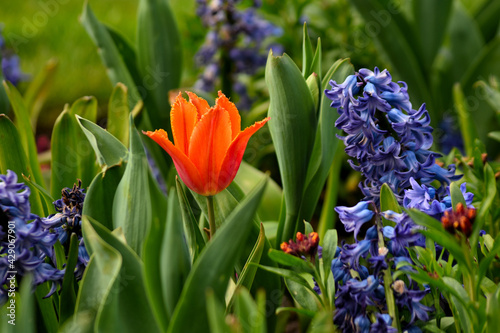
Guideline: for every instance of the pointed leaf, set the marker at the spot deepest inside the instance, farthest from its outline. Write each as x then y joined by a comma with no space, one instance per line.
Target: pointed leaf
456,195
214,266
109,150
132,202
118,114
67,300
216,314
329,245
292,130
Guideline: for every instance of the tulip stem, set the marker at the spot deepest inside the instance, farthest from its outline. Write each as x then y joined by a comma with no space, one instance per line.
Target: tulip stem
211,215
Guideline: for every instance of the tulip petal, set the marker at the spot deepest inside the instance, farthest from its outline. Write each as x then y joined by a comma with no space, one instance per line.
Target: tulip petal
201,104
183,118
208,145
234,115
186,169
234,155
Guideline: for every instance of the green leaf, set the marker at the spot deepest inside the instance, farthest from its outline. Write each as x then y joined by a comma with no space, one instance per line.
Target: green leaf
109,150
47,307
132,202
490,192
175,261
292,130
486,261
247,312
388,200
467,127
396,40
433,16
45,196
214,266
329,245
216,314
112,59
13,157
194,237
303,296
85,107
118,114
325,144
247,177
26,134
322,323
159,56
121,283
152,254
286,259
304,312
494,135
67,300
307,53
456,195
250,269
26,319
65,163
100,195
492,311
314,85
316,63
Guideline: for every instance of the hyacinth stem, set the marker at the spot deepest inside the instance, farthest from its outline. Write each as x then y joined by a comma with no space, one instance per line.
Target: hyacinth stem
211,215
389,294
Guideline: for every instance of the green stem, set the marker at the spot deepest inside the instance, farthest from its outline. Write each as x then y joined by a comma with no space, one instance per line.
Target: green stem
389,294
211,215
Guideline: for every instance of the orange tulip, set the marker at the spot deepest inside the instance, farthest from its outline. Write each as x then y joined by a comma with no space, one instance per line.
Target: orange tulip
209,143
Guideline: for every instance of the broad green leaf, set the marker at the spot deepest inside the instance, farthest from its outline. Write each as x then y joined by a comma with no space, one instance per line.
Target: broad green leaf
108,149
100,195
25,316
212,269
225,202
325,144
85,107
38,90
388,200
45,196
303,296
456,195
247,177
66,160
287,274
494,135
245,279
132,203
247,312
307,228
486,261
467,127
26,133
159,57
395,37
216,314
492,311
175,260
152,255
487,18
118,114
431,18
307,53
118,309
322,323
47,307
112,59
194,237
286,259
292,128
329,244
67,300
13,157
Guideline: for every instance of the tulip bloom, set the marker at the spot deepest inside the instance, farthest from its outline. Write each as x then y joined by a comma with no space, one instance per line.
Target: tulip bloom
209,143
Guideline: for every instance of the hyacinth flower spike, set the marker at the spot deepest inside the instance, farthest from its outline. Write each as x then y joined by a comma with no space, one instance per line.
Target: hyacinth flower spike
208,143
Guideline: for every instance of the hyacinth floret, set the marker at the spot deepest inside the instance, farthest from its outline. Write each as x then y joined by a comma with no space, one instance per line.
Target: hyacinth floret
33,245
389,139
235,36
68,220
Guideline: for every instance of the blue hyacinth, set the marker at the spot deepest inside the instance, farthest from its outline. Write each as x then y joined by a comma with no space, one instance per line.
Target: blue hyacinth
33,245
389,140
10,64
234,44
68,220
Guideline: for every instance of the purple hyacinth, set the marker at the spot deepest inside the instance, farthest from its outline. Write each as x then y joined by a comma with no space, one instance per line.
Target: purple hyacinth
68,220
389,140
29,243
354,217
10,64
235,44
